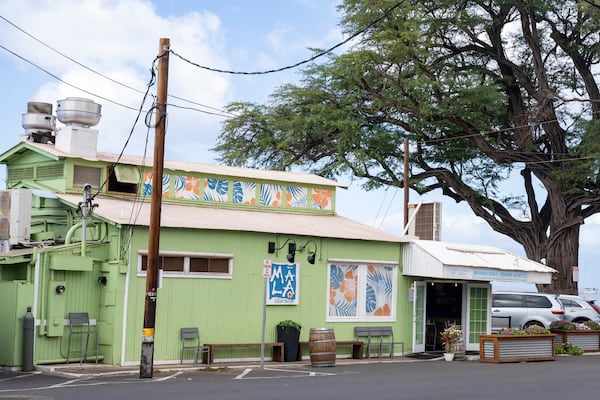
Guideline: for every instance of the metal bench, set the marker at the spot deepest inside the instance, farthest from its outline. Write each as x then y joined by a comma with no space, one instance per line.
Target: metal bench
378,337
209,358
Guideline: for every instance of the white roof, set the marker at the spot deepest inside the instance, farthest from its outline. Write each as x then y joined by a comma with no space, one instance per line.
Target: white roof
210,169
128,212
436,259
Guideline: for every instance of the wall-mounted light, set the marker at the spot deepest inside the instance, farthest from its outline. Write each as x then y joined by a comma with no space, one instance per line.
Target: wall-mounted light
311,254
102,280
291,249
291,256
60,289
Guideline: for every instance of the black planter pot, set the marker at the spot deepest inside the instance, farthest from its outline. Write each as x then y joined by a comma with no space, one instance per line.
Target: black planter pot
290,338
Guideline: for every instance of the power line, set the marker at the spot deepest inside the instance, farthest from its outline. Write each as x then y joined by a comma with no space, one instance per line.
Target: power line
314,57
102,75
65,82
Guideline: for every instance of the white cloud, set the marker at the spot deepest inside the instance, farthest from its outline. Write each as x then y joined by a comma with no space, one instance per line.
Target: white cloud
121,39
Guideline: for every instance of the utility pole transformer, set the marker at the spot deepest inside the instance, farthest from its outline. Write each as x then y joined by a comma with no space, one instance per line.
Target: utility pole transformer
152,267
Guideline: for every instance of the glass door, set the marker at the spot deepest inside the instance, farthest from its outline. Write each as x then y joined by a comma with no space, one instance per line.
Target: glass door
419,317
478,314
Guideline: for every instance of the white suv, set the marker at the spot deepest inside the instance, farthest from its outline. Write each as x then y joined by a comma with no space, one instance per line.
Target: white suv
522,310
577,309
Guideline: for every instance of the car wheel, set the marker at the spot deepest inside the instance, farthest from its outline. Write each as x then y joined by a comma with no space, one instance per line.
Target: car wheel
579,320
533,323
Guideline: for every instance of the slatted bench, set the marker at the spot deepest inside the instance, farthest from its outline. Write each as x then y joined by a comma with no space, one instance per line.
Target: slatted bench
357,347
277,347
378,337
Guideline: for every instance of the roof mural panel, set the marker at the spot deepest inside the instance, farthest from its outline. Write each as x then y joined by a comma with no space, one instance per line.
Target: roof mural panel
297,197
244,192
216,189
187,187
270,195
321,199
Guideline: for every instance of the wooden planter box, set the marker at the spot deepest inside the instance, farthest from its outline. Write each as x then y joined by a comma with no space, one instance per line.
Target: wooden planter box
588,341
516,348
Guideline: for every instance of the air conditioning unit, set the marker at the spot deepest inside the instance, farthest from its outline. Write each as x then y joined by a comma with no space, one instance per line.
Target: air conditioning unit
15,215
425,220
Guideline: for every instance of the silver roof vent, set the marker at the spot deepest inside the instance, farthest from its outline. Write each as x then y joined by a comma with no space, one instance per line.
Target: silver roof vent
78,111
39,123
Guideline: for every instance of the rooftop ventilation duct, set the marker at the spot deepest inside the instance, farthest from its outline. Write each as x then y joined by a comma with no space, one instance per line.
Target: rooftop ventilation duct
39,123
77,111
77,138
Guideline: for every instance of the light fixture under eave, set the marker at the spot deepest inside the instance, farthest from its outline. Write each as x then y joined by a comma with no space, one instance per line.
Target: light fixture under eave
291,255
291,252
312,254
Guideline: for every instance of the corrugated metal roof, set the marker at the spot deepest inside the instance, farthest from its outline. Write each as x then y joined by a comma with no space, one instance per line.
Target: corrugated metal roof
465,262
453,254
127,212
211,169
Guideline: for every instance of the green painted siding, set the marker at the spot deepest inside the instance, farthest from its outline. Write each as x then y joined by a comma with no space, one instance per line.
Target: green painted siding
230,310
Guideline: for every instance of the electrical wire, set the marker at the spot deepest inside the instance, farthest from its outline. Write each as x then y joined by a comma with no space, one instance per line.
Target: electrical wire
103,75
65,82
313,58
151,83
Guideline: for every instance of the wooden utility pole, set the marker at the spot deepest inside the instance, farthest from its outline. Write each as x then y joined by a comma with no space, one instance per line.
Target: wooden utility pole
152,267
405,182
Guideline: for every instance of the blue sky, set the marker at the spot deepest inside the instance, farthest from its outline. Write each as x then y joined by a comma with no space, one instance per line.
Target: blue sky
119,39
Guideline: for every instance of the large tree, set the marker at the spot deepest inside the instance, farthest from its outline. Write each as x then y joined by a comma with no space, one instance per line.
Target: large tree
483,90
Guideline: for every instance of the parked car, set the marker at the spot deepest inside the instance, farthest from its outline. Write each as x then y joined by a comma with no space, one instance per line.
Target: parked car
594,305
577,309
523,309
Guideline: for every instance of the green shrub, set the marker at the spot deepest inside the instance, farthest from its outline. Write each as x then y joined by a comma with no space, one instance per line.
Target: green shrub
568,348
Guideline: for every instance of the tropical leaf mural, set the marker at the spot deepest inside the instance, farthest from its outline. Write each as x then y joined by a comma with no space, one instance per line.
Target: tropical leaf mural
379,290
321,199
187,187
343,290
216,189
147,185
244,192
297,197
270,194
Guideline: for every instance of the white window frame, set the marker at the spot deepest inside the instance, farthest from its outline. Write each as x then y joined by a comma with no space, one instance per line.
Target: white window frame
362,290
186,265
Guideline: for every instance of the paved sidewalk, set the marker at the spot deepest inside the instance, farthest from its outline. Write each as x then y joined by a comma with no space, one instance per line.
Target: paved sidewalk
76,370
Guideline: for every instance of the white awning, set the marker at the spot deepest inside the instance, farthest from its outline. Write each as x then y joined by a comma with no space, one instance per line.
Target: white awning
433,259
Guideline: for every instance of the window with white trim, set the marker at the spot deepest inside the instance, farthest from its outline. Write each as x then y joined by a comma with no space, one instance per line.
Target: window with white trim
361,292
190,265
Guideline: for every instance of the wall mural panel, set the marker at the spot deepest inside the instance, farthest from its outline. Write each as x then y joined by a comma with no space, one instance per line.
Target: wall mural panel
187,187
379,291
322,198
343,290
270,195
216,189
147,186
297,197
244,192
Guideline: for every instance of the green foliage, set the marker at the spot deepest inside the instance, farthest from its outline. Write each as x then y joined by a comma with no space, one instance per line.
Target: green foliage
465,85
532,330
568,348
290,323
575,326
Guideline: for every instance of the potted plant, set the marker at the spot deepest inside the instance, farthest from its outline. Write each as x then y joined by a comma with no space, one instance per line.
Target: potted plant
534,343
288,332
450,338
585,335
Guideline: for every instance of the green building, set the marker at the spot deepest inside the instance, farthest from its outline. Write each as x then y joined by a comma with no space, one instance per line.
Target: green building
64,249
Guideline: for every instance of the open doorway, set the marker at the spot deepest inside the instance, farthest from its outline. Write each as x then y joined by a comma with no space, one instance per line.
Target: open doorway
443,309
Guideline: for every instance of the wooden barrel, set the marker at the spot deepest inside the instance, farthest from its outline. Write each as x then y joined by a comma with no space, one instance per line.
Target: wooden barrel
322,347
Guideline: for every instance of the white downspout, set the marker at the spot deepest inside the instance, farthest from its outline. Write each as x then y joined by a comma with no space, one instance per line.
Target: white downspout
126,302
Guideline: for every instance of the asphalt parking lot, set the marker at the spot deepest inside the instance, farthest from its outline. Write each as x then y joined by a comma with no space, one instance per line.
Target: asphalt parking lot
565,377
